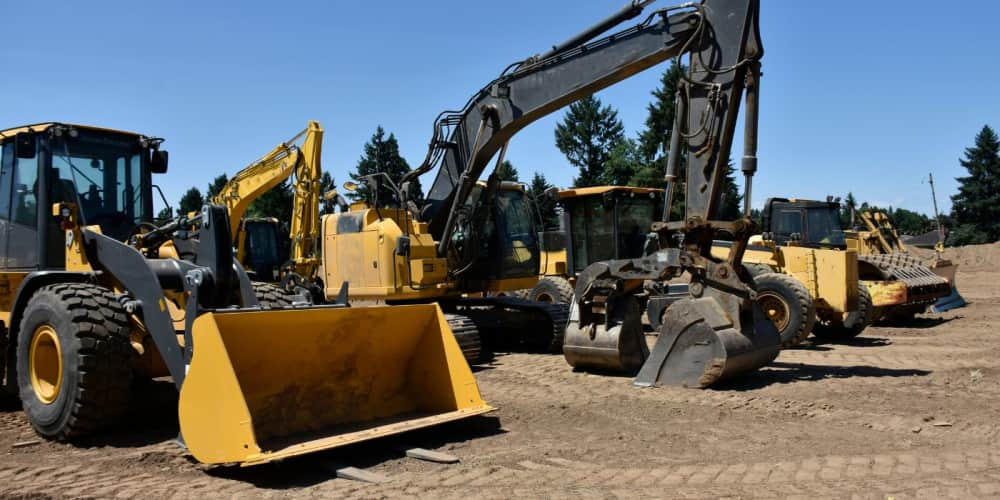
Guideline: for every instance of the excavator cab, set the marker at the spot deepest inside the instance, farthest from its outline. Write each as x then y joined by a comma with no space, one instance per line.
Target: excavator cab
507,246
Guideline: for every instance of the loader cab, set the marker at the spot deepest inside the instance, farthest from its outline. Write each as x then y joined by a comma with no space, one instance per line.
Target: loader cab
508,247
267,247
607,222
105,173
804,222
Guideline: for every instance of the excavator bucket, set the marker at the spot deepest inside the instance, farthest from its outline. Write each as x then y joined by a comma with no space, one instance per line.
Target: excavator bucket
698,345
268,385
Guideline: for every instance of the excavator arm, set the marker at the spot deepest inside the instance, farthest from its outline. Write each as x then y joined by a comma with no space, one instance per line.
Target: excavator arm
720,35
284,161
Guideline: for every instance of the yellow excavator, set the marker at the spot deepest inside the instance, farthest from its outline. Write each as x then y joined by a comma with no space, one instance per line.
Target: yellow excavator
93,295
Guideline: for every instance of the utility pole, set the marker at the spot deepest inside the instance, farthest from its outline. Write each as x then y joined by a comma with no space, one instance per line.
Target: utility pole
937,216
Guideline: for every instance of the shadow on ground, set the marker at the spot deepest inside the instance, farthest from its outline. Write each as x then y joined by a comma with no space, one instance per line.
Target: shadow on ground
780,372
315,468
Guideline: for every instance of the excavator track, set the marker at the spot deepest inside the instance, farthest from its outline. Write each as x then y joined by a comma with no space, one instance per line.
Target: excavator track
514,320
467,335
922,285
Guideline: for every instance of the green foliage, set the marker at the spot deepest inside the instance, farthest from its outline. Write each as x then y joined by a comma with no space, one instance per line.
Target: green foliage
215,187
546,206
910,222
848,207
623,163
729,207
164,214
976,207
382,155
275,203
655,139
507,172
586,136
326,184
191,201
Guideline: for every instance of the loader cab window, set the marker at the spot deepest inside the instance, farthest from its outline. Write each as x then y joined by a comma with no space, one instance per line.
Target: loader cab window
635,219
823,227
592,230
102,174
786,224
24,202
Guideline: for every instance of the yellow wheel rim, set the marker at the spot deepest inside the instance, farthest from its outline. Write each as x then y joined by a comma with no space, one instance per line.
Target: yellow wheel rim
46,364
776,309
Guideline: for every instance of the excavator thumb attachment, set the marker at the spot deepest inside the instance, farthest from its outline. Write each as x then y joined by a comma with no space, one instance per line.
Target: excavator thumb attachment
698,345
268,385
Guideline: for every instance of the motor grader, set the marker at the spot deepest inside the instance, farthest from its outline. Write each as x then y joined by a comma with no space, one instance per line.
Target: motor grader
94,295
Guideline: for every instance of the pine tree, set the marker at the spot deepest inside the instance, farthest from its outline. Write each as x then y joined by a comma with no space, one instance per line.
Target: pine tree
623,163
546,206
586,136
277,203
976,207
191,201
382,155
729,208
655,140
848,210
215,187
507,172
326,184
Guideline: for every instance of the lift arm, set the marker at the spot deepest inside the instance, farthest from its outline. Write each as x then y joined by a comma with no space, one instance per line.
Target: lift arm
261,176
720,35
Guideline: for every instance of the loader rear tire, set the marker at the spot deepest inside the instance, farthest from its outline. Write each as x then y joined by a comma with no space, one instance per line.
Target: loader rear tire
788,304
270,296
756,269
852,323
552,289
74,360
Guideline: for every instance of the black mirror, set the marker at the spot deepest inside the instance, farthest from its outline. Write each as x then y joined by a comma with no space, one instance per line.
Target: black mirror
158,162
24,145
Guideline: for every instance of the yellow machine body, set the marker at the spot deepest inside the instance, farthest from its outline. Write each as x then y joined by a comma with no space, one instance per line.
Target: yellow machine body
268,385
361,247
831,276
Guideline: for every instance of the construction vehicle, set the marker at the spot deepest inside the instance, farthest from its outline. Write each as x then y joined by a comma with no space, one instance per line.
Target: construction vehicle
941,266
898,284
94,295
807,290
719,331
258,241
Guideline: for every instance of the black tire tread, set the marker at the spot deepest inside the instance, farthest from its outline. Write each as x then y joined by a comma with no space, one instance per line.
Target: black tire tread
270,296
803,305
558,284
105,356
855,323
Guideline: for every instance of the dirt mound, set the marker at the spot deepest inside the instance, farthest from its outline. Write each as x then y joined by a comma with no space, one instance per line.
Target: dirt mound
979,257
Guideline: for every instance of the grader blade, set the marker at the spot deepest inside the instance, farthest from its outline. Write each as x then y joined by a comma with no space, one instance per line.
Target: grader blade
268,385
698,346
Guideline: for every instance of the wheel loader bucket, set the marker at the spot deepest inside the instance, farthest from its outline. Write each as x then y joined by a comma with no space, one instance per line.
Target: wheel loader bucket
268,385
947,270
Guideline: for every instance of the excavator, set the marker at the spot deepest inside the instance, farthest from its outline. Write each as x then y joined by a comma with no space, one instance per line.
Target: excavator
719,331
258,244
93,295
472,236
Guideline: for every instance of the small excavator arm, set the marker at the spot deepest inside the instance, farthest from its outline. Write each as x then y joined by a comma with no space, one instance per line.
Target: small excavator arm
261,176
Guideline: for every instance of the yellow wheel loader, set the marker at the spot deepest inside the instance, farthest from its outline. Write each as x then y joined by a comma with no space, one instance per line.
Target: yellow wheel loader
898,284
94,295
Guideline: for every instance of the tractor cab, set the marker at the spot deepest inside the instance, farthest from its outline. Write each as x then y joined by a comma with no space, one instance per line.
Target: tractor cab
803,222
606,222
105,173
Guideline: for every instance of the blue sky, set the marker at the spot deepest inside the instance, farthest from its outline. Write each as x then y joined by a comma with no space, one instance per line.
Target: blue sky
857,96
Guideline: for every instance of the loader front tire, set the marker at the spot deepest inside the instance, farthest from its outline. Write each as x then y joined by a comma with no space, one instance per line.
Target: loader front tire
851,324
787,303
270,296
74,360
552,289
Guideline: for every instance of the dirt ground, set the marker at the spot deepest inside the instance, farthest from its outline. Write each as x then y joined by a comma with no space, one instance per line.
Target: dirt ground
904,412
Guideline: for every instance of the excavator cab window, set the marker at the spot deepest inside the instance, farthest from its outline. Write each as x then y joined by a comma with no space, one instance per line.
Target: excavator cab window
635,218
